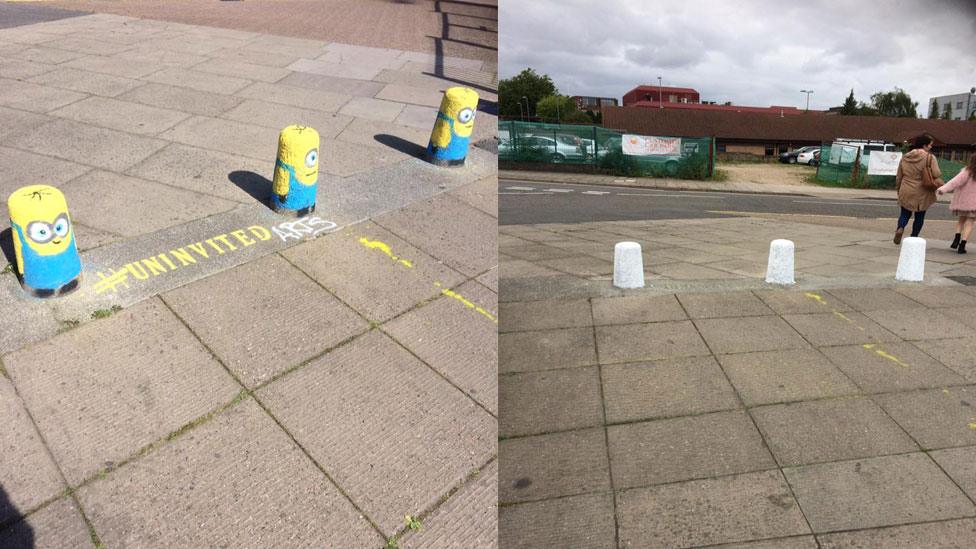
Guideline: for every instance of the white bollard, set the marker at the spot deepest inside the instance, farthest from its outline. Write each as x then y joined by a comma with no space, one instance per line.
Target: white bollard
911,261
628,265
779,270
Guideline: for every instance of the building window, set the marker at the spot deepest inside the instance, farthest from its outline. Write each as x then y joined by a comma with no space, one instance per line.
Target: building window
769,150
720,147
958,104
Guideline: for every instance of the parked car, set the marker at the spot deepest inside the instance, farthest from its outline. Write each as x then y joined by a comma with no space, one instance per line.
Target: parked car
815,161
807,156
553,150
790,157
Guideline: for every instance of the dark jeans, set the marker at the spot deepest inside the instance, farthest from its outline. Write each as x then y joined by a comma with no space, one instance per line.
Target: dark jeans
916,225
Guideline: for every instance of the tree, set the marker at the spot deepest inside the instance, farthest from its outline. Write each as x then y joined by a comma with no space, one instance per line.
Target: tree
947,111
850,105
972,117
934,110
561,109
526,84
895,103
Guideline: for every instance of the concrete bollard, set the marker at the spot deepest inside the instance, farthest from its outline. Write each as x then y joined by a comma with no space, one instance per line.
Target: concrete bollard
452,130
911,260
44,241
628,265
779,270
296,172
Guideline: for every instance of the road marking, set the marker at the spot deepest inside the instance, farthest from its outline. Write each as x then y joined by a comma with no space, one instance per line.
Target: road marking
691,195
520,188
594,192
523,194
885,204
559,190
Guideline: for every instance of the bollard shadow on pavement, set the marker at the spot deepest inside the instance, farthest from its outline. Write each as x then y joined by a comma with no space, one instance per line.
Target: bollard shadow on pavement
7,245
402,145
255,185
15,533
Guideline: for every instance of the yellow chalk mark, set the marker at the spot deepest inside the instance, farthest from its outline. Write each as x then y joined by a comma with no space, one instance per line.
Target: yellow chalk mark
868,345
816,297
882,354
842,315
469,304
946,391
385,248
438,284
972,425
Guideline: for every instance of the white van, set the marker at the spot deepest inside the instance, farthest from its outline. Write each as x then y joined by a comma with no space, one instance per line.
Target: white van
845,150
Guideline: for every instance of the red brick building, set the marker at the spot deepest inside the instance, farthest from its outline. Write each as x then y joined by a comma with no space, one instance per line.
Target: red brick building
649,96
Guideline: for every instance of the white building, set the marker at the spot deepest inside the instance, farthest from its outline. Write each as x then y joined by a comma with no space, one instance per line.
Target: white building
963,105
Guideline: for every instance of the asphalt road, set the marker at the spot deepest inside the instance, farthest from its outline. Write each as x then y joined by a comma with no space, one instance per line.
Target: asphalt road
525,203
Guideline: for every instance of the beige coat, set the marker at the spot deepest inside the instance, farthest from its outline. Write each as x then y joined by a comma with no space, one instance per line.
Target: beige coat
908,182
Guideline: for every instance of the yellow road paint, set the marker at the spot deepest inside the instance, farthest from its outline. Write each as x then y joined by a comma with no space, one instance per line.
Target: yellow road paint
385,248
469,304
882,354
972,425
816,297
842,315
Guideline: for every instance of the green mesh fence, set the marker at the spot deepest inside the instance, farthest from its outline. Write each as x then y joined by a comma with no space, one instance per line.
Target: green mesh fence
838,169
600,149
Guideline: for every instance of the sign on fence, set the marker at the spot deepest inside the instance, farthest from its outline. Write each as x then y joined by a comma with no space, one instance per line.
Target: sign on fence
642,145
883,163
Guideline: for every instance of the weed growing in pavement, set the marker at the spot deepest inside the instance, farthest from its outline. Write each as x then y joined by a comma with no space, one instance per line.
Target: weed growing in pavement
719,175
8,269
392,544
105,313
69,325
413,523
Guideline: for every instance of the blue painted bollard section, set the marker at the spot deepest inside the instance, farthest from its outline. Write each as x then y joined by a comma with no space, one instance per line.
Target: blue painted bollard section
44,241
296,174
452,130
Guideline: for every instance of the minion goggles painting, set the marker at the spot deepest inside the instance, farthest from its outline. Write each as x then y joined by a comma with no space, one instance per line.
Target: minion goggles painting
44,243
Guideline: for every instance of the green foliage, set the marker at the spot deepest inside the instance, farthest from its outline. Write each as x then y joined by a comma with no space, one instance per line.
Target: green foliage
595,117
972,117
619,163
934,110
527,83
560,109
392,544
894,103
413,523
947,111
850,105
719,175
693,167
104,313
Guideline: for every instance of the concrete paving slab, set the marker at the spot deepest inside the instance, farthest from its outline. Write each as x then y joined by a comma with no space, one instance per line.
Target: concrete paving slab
419,117
749,334
637,342
554,400
341,407
128,390
921,324
585,522
181,99
830,430
363,277
517,268
242,69
688,271
490,279
82,45
545,350
638,308
25,320
955,353
22,168
158,59
553,465
935,535
86,82
28,96
344,159
960,465
582,266
255,335
226,176
372,109
250,140
106,65
836,328
198,80
881,491
332,84
801,302
277,116
891,367
448,229
410,141
205,476
723,305
305,98
29,477
39,54
468,519
57,525
456,340
784,376
537,252
938,297
872,299
116,203
482,195
253,56
415,96
666,388
86,144
189,44
672,450
121,115
16,121
543,315
705,512
936,418
797,542
963,314
338,70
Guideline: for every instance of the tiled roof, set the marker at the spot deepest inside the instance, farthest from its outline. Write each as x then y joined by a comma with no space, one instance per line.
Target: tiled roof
773,127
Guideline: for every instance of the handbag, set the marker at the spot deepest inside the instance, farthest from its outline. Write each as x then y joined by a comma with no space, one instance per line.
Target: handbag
930,183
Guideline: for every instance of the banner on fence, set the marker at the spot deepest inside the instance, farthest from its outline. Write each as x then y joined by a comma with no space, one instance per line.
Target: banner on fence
642,145
883,163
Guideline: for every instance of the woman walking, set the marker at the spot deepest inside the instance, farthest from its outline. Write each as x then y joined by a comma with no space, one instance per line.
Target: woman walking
963,202
913,197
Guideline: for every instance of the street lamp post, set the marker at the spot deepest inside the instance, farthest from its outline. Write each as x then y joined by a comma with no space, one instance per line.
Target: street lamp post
528,113
558,98
521,111
808,92
660,92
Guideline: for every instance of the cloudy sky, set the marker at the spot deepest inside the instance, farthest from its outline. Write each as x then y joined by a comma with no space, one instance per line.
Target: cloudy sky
748,52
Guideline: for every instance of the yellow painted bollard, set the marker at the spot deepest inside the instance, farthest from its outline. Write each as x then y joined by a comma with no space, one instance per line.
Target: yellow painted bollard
452,130
44,241
296,173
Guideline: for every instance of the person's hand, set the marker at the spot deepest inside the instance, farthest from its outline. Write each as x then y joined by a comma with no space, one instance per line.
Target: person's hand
940,191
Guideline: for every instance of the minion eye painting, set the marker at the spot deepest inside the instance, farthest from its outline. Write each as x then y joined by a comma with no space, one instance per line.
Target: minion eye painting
44,244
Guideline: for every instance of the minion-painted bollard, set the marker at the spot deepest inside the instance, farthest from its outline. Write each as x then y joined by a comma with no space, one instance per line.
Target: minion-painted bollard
452,130
44,241
296,173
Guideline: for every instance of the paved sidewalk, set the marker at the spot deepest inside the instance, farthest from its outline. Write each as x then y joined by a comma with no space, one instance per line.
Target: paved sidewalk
767,418
690,185
326,382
